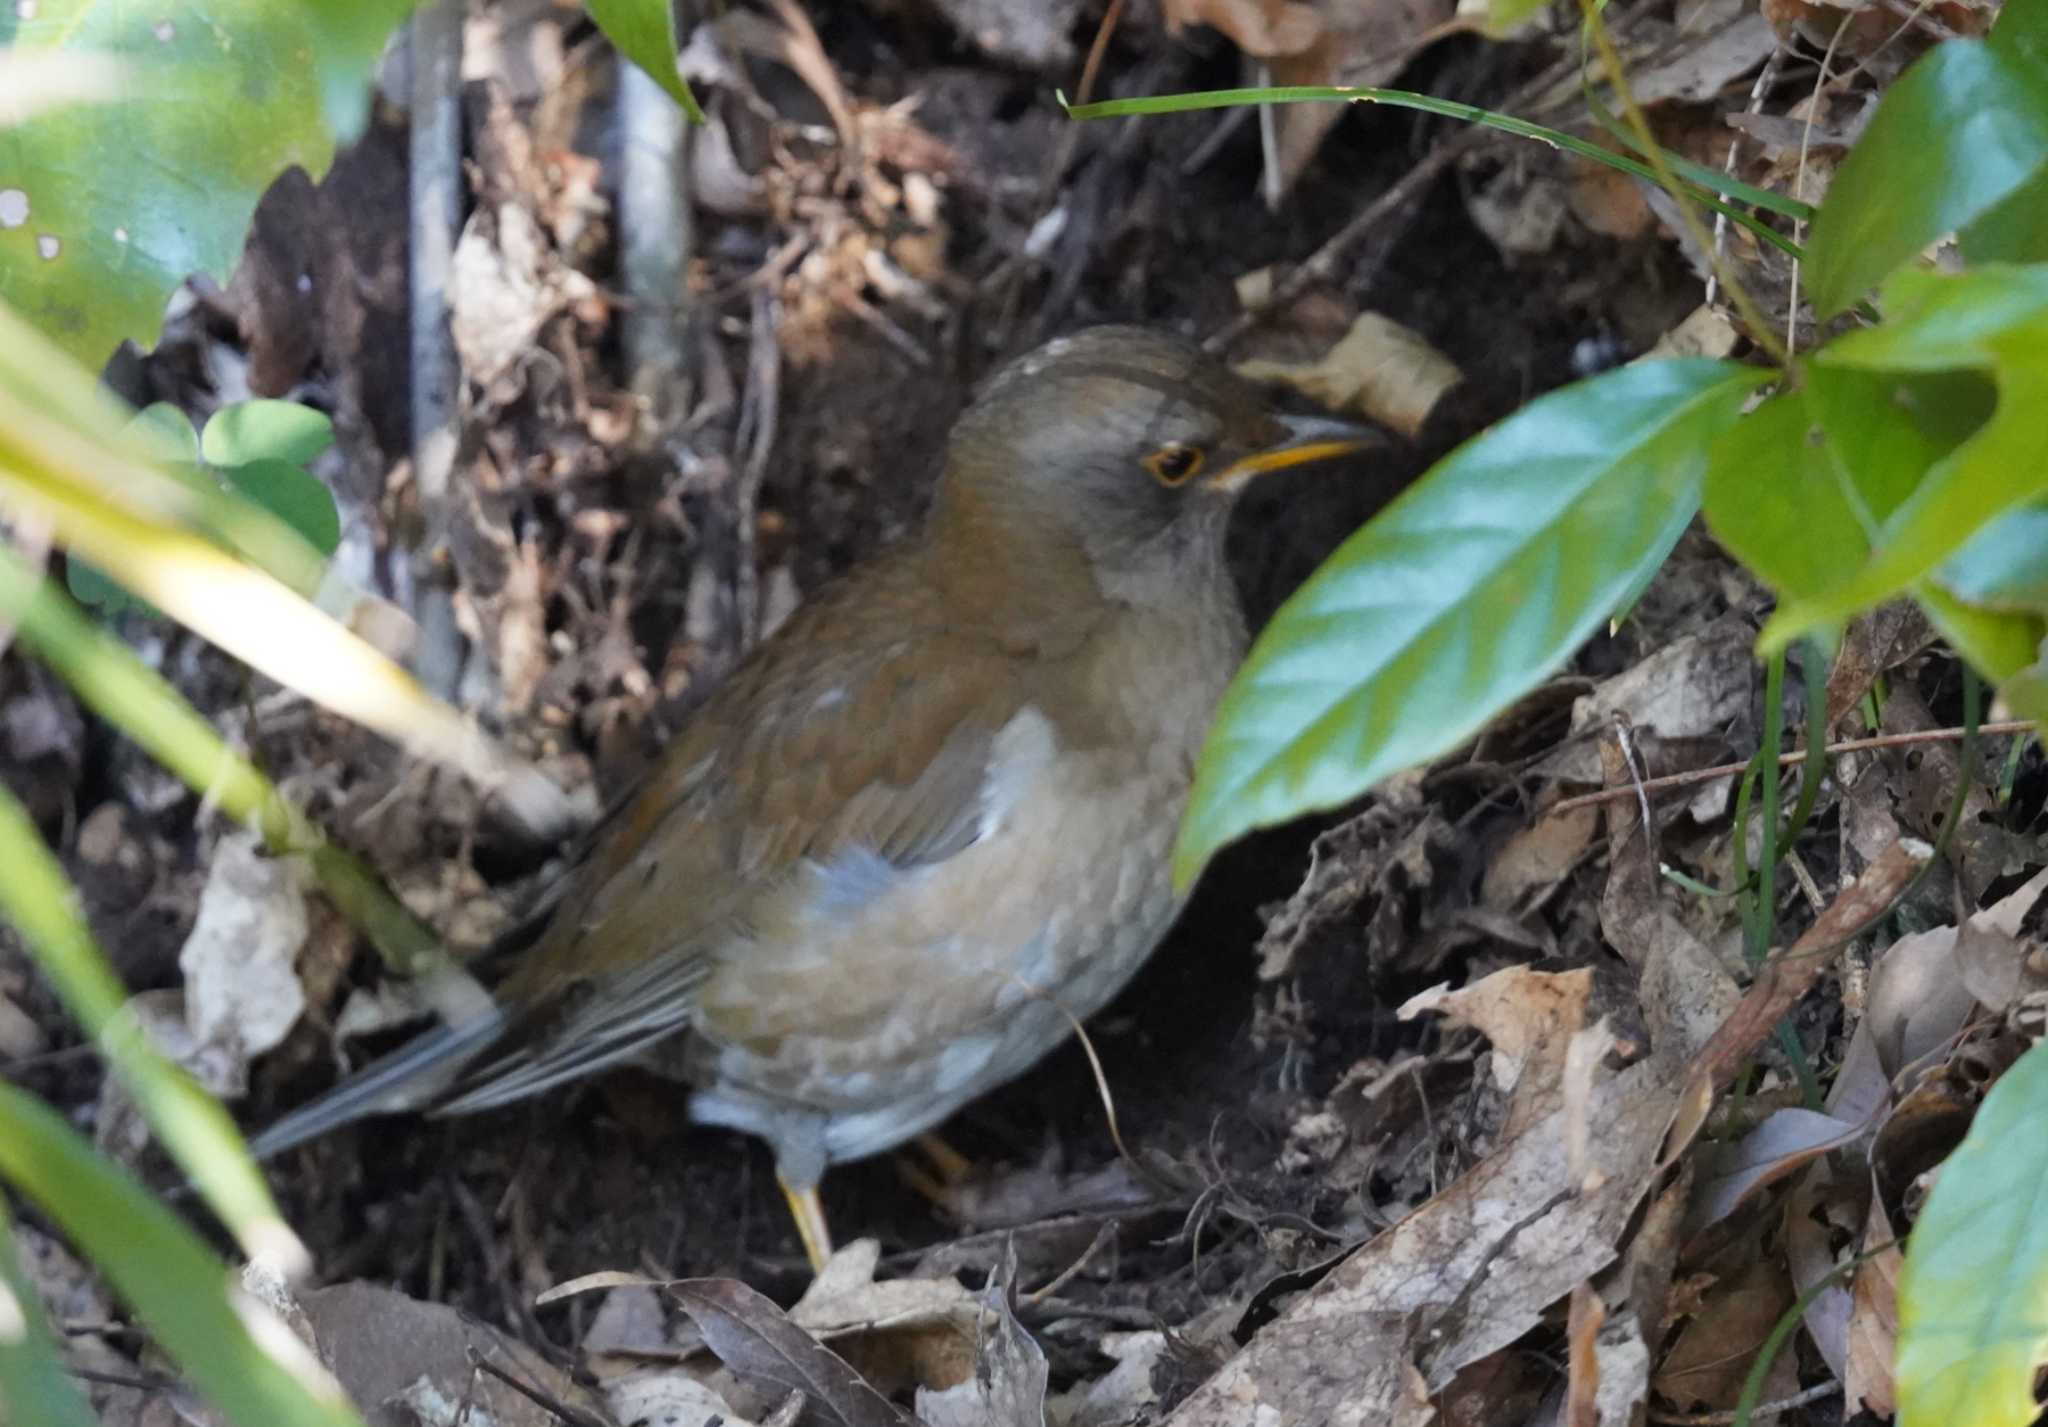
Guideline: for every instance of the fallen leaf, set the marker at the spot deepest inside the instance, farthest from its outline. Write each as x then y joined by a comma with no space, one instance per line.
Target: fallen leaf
1264,29
1867,1384
1378,369
757,1340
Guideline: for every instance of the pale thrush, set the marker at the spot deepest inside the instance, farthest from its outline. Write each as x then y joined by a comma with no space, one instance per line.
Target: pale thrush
928,820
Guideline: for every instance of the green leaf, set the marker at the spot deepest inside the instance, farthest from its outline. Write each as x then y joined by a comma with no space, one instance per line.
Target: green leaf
1955,135
644,31
1774,498
1994,319
112,205
162,432
33,1383
1884,429
1999,644
1973,1295
263,430
2005,564
1465,592
293,496
2014,231
183,1292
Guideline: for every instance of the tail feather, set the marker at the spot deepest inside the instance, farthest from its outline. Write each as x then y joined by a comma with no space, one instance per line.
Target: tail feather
412,1077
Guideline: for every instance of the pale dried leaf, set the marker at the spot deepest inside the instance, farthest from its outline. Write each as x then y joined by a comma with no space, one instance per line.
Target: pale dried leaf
1263,29
1378,369
242,994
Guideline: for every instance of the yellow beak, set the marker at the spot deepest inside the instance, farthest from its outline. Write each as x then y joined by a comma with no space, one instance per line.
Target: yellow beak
1309,438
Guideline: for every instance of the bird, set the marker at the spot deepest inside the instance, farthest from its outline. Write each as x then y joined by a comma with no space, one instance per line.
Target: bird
924,828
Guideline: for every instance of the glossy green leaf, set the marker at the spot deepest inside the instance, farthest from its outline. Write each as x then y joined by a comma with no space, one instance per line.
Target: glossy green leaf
105,208
1973,1295
644,31
1773,496
293,496
1459,597
1994,320
263,430
181,1290
2005,564
34,1387
1885,429
1960,132
2013,231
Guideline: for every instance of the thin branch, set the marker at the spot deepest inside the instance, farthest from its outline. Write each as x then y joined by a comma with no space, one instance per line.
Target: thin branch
1786,760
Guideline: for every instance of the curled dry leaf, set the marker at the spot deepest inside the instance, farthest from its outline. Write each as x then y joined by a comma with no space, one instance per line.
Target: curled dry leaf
384,1347
757,1340
1787,1140
1263,29
1530,1016
2002,951
1867,1384
1378,369
1712,1356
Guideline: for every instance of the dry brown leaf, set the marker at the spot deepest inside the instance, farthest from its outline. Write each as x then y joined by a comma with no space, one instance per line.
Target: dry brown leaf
1706,1367
381,1344
1874,1320
1536,859
1705,332
2001,950
1530,1017
1263,29
1820,1212
1464,1275
1607,200
1378,369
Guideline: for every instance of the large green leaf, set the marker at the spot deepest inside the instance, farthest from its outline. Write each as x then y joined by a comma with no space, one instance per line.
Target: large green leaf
1885,429
1973,1296
1460,596
1956,135
182,1291
2015,231
1993,320
2005,564
644,31
105,208
1775,499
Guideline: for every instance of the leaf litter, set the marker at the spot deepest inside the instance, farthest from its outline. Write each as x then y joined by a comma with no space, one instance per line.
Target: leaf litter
1419,1101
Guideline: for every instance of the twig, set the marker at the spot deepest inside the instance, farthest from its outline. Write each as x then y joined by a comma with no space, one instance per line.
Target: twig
1786,760
1762,1409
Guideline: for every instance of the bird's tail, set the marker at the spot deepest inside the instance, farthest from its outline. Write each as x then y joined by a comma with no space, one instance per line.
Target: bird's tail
412,1077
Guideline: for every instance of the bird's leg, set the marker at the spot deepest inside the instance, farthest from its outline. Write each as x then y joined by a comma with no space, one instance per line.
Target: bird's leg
945,1170
951,1165
809,1212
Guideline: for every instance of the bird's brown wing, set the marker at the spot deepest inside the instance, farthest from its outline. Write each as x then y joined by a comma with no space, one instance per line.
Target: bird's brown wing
829,738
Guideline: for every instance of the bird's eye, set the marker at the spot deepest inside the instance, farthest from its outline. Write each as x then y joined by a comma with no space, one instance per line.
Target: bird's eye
1174,463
